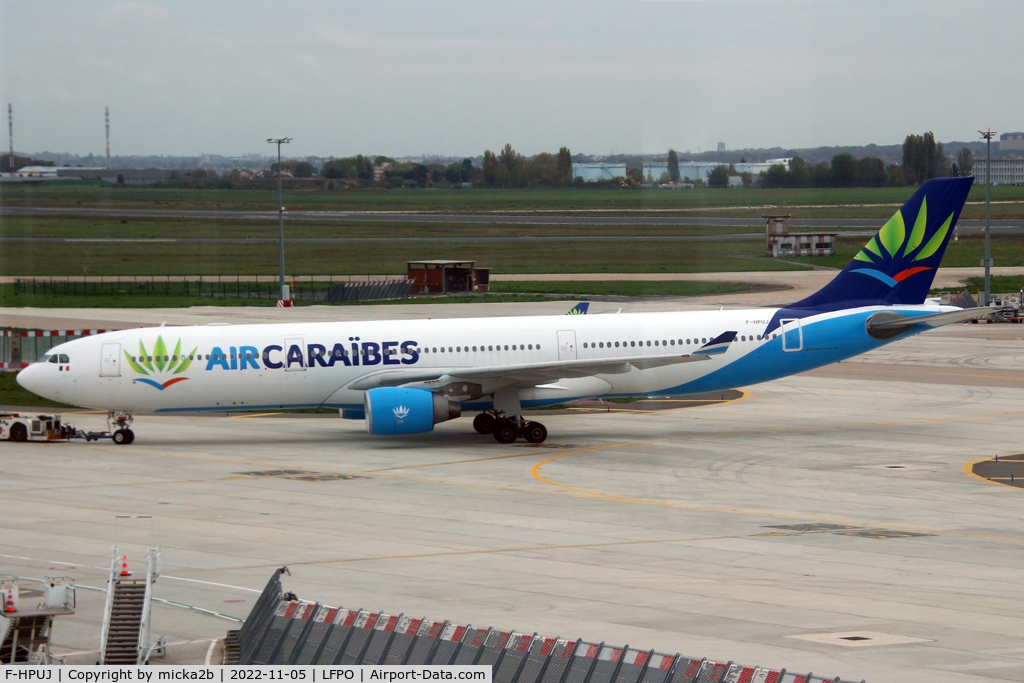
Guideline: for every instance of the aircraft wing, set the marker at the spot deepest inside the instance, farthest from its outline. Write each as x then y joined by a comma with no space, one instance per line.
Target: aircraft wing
538,373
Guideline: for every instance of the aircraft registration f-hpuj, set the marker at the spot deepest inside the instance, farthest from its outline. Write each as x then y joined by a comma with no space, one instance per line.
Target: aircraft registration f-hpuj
405,376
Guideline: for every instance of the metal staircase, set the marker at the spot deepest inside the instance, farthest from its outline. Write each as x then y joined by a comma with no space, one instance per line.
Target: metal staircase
126,621
26,638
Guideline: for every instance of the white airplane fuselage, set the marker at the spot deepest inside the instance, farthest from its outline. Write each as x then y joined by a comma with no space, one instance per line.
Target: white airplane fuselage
303,365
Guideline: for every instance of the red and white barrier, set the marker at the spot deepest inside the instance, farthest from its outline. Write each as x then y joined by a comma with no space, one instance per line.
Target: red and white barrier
498,639
366,620
689,667
408,626
58,333
386,622
430,629
453,632
475,637
519,642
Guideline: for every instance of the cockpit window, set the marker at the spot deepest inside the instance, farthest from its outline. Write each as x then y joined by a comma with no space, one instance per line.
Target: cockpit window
64,358
53,358
46,359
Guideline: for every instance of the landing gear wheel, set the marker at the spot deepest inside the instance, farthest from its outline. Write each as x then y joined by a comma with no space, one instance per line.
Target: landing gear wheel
484,423
123,437
535,432
506,432
19,433
131,436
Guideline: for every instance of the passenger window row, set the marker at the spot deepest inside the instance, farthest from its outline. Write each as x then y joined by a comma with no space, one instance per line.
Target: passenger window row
477,349
670,342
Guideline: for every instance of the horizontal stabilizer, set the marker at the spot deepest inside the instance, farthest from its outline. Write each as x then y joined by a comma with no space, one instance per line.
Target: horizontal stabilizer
896,323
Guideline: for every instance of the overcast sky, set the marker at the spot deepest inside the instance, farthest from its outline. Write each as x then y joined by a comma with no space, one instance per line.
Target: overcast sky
455,78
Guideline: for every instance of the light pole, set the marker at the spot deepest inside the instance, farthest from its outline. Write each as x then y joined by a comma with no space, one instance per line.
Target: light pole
988,135
285,294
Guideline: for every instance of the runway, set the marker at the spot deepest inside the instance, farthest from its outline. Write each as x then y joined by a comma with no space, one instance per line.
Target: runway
758,530
966,226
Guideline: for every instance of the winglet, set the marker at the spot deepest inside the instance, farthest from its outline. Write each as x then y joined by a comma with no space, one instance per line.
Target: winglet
579,309
718,345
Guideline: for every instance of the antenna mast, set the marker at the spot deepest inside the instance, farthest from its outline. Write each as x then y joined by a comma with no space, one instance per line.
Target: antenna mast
10,135
107,113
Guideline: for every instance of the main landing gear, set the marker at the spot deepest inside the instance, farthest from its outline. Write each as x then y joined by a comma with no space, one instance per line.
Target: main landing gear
508,429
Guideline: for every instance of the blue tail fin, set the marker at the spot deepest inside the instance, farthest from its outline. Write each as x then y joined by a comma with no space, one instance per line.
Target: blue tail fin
898,264
579,309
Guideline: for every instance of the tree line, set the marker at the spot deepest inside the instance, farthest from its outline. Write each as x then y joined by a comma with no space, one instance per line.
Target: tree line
923,158
9,164
509,168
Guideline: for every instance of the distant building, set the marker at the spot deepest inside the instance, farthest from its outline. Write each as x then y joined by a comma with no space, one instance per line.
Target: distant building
1004,171
1011,142
698,170
592,173
779,241
131,176
654,172
38,172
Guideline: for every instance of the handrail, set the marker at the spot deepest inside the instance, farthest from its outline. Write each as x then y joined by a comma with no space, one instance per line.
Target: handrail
109,607
145,647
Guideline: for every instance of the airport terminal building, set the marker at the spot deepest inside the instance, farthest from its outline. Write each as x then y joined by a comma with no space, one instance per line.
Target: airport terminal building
1004,171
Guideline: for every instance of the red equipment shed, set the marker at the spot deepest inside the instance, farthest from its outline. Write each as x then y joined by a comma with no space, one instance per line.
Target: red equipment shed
440,276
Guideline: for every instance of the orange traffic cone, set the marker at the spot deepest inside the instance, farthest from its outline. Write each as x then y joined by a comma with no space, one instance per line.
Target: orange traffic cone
124,567
9,604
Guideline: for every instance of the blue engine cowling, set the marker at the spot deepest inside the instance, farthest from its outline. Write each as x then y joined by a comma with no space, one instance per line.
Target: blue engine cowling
392,411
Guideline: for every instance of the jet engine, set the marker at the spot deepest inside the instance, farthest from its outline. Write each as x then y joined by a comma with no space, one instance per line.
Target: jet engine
392,411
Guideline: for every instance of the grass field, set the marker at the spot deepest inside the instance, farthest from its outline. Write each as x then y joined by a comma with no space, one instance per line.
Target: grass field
179,258
78,227
1006,251
744,202
1001,284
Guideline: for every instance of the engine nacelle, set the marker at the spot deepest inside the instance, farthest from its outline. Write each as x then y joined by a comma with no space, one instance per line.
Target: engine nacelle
392,411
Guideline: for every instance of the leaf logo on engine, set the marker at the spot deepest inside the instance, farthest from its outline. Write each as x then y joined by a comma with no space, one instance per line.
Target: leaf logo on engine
401,412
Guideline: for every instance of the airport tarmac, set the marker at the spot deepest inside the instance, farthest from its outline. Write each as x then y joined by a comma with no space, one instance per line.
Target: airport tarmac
824,506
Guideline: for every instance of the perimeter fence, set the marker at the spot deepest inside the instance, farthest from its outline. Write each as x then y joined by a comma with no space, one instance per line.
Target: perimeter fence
307,288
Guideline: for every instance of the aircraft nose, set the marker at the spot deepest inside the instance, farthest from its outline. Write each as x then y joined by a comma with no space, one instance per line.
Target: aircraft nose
29,378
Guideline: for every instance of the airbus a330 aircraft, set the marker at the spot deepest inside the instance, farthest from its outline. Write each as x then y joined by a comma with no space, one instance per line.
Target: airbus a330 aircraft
403,377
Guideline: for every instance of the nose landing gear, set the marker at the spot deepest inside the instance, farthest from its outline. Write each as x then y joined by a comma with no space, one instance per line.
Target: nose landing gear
118,422
509,429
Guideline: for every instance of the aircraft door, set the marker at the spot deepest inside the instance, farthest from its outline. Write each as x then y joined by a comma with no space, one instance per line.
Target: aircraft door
566,345
110,360
792,335
294,354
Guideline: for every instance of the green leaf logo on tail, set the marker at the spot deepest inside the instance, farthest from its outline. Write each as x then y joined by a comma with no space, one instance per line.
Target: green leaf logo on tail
893,250
160,363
